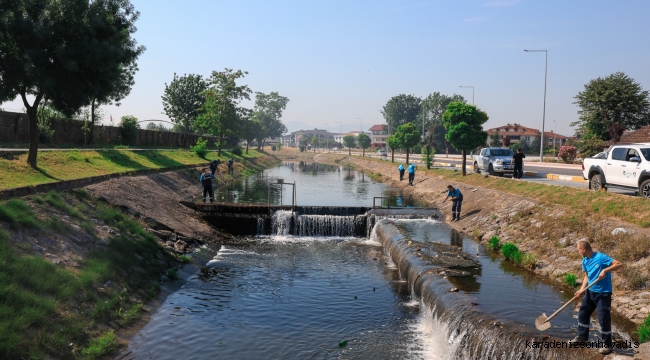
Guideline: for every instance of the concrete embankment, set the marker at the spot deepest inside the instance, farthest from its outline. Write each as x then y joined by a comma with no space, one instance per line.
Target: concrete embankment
468,333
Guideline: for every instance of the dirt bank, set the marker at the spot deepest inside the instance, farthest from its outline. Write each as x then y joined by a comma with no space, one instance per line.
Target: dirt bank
541,230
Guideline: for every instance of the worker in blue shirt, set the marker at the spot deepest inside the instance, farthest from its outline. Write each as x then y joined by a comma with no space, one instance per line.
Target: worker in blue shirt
230,168
206,181
456,201
597,267
411,174
214,166
401,172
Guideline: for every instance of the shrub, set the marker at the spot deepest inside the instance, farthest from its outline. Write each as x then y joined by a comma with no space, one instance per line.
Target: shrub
302,148
273,147
568,153
510,251
570,279
643,331
236,150
129,127
201,148
494,243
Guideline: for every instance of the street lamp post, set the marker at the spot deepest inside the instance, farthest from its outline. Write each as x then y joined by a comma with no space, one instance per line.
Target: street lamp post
554,135
327,138
541,146
462,86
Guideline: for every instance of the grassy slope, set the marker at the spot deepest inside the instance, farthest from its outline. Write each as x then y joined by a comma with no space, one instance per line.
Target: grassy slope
67,165
48,309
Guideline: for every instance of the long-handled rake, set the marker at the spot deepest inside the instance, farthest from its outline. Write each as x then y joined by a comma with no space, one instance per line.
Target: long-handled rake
542,322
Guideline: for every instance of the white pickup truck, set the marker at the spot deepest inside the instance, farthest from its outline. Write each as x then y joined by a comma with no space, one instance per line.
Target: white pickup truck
622,166
496,161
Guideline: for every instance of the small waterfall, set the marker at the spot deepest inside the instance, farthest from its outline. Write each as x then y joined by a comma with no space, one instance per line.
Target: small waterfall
281,222
288,223
260,226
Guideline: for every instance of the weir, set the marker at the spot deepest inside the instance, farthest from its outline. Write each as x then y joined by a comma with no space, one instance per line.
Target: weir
262,219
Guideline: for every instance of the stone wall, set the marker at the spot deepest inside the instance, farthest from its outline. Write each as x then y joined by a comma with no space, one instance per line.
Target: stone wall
14,129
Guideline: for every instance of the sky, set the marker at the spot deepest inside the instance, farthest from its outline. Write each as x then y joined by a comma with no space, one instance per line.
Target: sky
339,62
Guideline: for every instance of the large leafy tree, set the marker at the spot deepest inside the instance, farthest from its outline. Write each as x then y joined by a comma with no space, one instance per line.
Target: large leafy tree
407,136
250,130
73,53
430,117
350,142
364,142
464,124
268,113
221,114
401,109
182,100
616,98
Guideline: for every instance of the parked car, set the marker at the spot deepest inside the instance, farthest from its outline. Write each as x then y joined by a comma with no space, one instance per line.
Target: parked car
496,161
382,153
624,166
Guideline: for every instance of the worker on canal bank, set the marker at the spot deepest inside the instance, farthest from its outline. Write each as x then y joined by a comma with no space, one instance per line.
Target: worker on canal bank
214,166
518,160
230,168
411,173
597,267
401,172
456,201
206,181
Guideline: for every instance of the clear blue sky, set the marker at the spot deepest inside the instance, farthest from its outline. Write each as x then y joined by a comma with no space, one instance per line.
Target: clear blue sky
341,60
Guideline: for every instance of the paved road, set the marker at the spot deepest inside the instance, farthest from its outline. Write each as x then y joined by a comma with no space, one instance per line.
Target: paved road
545,168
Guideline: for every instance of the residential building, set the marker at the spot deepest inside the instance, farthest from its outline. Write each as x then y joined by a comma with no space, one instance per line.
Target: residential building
378,136
641,135
518,133
339,137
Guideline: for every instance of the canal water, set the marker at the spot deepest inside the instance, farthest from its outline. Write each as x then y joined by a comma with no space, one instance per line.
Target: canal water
288,297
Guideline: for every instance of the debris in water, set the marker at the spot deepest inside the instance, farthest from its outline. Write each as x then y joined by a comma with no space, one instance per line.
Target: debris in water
474,304
374,259
454,289
355,297
418,249
343,343
373,289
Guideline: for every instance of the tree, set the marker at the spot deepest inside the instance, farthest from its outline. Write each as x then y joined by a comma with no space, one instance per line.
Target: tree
589,145
615,132
350,142
506,141
220,114
401,109
250,130
494,139
616,98
534,146
364,142
407,136
129,127
393,143
464,124
314,142
182,100
73,53
431,110
268,112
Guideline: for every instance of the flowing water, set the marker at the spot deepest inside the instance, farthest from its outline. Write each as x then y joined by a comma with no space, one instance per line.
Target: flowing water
282,296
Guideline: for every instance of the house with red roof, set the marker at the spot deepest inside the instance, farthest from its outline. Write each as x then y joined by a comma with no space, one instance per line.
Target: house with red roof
378,136
518,133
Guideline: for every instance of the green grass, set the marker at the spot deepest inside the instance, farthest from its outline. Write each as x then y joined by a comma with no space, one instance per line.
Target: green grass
67,165
58,225
18,214
172,273
643,331
100,346
494,243
55,199
570,279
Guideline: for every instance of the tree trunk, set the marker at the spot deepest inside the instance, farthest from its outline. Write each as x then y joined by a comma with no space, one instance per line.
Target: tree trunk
392,155
464,161
407,156
32,113
220,141
349,151
364,152
246,146
91,136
